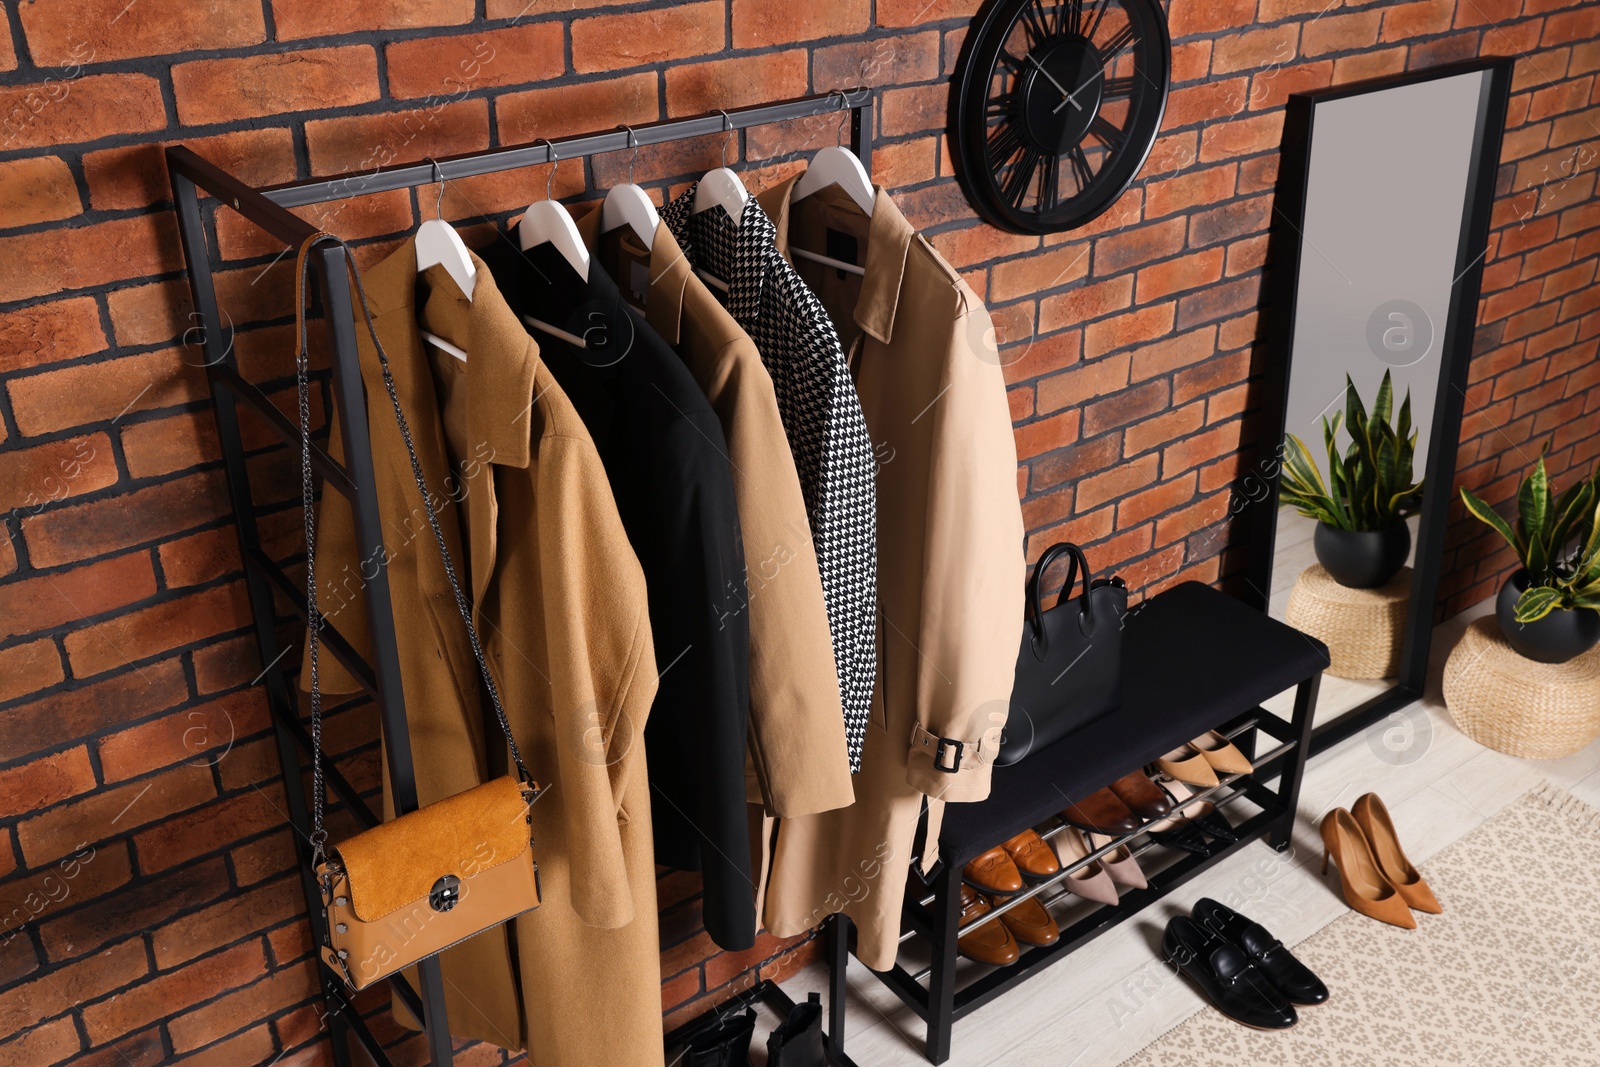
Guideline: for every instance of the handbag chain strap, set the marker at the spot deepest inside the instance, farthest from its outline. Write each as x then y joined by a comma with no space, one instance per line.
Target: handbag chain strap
319,834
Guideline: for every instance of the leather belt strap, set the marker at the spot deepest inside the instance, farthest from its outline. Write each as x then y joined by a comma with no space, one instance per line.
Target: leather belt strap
949,753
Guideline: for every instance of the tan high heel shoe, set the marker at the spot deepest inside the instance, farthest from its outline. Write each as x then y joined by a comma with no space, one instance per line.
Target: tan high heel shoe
1365,888
1373,818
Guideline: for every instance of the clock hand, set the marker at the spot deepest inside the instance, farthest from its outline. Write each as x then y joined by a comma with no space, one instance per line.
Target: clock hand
1075,92
1046,73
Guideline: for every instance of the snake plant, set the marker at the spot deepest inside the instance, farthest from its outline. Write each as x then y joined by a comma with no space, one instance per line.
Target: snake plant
1369,485
1546,525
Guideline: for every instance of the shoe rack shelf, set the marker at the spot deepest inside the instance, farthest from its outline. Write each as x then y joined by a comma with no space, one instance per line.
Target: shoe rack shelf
1194,659
1138,842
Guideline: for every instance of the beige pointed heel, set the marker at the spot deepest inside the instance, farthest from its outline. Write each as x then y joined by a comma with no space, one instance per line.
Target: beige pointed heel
1373,818
1120,864
1186,764
1092,882
1363,884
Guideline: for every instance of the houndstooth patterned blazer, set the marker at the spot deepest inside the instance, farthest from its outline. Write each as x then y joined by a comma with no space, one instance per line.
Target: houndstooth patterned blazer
822,418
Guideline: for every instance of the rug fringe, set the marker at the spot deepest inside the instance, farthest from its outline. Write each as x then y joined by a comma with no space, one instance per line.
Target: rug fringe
1558,801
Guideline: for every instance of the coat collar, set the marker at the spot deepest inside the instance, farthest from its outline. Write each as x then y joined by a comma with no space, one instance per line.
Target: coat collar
889,238
670,273
503,359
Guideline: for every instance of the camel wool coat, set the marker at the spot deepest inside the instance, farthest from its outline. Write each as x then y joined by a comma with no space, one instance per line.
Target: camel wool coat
559,601
950,563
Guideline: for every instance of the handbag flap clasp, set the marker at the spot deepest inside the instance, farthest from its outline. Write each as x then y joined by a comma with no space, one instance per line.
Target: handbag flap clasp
415,857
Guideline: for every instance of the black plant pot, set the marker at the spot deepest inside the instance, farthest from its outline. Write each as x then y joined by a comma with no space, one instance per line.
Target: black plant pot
1362,559
1561,635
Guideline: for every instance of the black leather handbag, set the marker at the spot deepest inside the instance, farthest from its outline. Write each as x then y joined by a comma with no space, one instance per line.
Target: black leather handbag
1069,672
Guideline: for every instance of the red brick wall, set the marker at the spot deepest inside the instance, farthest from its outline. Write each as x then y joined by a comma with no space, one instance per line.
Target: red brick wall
144,861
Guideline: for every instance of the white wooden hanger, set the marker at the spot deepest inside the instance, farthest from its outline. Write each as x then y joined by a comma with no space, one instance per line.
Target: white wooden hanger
439,244
835,165
628,205
547,221
722,187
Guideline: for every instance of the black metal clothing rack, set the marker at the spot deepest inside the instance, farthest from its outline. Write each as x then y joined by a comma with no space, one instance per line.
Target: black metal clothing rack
380,679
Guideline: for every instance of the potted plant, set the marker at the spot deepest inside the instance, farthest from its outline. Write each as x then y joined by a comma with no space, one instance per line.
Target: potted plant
1362,538
1549,609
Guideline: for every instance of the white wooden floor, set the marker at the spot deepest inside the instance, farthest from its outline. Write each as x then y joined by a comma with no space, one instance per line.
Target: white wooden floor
1106,1001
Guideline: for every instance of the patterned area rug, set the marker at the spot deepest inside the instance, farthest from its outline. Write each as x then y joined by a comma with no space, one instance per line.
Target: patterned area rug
1506,976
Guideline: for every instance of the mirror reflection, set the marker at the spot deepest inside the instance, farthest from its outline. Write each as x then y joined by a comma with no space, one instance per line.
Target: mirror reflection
1385,195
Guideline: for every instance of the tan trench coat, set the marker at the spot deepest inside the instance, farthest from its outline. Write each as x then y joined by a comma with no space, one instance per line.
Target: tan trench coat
559,601
950,564
798,762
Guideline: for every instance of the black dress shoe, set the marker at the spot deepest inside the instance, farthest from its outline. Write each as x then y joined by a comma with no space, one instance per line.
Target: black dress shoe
797,1041
1184,838
1232,984
1291,977
725,1044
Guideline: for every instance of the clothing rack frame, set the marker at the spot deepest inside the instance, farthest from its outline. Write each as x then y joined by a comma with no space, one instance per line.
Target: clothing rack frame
268,208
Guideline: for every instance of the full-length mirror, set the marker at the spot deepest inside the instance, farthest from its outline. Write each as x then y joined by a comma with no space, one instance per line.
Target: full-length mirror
1378,239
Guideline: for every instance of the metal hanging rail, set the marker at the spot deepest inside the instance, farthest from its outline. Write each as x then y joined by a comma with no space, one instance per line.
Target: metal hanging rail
380,679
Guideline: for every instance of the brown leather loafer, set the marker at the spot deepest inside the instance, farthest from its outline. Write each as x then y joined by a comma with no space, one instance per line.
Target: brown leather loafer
1030,923
990,943
993,872
1102,813
1035,859
1142,795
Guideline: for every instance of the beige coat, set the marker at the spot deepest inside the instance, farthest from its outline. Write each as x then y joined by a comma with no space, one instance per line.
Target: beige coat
559,600
950,563
797,742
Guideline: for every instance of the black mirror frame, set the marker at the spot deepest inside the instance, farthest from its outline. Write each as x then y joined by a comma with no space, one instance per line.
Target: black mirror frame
1455,352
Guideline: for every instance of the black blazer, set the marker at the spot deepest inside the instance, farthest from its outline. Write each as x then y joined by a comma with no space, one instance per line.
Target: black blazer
667,461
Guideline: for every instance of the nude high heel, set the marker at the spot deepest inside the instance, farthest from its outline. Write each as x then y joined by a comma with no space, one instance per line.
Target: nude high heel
1373,818
1120,864
1091,881
1364,886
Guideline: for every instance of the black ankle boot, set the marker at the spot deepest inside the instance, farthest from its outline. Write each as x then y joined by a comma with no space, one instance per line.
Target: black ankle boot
797,1041
724,1045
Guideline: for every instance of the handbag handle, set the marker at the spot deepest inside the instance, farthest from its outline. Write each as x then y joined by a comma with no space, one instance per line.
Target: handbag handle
313,615
1080,564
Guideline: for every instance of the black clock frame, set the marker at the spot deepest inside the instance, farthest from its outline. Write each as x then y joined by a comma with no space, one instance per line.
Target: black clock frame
969,128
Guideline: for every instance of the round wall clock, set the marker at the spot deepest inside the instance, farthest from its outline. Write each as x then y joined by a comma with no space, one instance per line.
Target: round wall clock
1057,106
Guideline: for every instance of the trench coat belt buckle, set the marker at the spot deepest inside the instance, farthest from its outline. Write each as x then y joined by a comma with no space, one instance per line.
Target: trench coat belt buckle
949,753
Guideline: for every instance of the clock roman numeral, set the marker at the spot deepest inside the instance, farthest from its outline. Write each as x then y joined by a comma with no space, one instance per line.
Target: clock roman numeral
1116,88
1094,22
1005,140
1119,40
1020,178
1069,16
1082,172
1049,185
1113,137
1002,106
1036,21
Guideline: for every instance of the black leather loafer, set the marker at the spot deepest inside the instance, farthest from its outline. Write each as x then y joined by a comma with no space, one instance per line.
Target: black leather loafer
1291,977
1232,984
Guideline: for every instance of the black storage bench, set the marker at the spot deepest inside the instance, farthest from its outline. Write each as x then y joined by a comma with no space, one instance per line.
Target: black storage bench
1194,659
